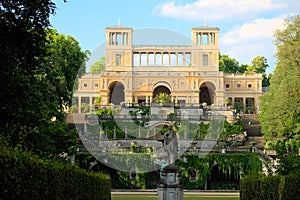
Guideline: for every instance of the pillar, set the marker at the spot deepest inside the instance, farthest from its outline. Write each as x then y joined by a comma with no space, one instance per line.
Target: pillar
244,102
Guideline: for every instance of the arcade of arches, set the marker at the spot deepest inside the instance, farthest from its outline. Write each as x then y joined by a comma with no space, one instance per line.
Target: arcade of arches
117,93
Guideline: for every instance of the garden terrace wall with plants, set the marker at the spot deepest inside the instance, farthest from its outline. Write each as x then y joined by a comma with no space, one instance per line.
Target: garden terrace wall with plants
24,176
257,187
212,171
226,169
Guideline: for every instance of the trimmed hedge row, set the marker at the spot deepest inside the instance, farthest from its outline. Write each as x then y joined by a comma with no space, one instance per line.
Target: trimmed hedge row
24,176
257,187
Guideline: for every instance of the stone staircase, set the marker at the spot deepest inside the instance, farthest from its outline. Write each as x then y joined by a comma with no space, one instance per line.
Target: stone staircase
252,126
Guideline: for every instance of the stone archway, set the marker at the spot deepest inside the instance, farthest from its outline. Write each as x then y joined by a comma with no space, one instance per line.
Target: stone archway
156,128
161,87
116,93
207,93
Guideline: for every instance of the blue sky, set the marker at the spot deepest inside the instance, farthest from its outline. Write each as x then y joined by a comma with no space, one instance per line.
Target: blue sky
246,26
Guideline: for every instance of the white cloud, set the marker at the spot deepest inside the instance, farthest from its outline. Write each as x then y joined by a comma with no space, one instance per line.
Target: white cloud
216,10
252,39
258,29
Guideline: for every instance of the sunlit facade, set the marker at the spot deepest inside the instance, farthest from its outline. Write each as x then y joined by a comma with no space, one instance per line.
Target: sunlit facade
190,74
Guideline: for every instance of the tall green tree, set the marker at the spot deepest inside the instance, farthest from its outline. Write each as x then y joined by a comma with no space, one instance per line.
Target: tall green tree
64,64
280,107
230,65
259,65
98,66
22,46
38,68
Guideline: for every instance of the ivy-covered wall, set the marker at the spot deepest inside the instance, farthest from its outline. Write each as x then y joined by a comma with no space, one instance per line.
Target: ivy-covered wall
230,167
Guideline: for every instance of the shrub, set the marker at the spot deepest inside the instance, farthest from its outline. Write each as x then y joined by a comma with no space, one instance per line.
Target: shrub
270,187
289,187
24,176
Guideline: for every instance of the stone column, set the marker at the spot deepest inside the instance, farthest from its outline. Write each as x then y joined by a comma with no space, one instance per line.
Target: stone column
244,102
79,104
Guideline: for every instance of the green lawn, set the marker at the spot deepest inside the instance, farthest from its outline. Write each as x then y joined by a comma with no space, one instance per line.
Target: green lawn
185,197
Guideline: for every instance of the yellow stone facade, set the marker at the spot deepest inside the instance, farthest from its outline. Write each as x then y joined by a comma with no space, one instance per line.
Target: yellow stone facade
188,73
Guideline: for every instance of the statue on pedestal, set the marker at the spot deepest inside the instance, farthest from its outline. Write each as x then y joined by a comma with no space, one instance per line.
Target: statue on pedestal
170,187
171,145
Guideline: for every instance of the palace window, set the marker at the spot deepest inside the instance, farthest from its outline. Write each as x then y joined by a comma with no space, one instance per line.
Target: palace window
238,85
227,86
180,59
205,39
136,59
173,59
158,59
165,59
96,85
119,39
118,59
249,85
85,85
143,59
187,59
205,59
151,59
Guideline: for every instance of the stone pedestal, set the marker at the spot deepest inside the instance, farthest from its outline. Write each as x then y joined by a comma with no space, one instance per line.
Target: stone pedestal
170,187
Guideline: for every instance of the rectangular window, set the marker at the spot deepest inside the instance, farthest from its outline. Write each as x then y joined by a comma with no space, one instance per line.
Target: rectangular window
96,85
187,59
227,86
205,59
119,39
238,85
75,100
180,59
158,59
205,39
173,59
249,85
136,59
85,85
151,59
118,59
165,59
85,100
143,59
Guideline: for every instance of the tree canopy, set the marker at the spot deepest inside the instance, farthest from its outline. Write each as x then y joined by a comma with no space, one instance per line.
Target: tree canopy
38,69
229,65
280,107
258,65
98,66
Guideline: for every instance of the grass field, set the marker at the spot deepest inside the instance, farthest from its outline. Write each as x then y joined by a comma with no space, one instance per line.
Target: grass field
185,197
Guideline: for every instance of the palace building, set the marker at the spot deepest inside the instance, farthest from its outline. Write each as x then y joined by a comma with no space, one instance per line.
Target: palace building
190,74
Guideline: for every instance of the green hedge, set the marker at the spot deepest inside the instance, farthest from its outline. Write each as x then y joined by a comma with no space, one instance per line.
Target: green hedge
257,187
24,176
